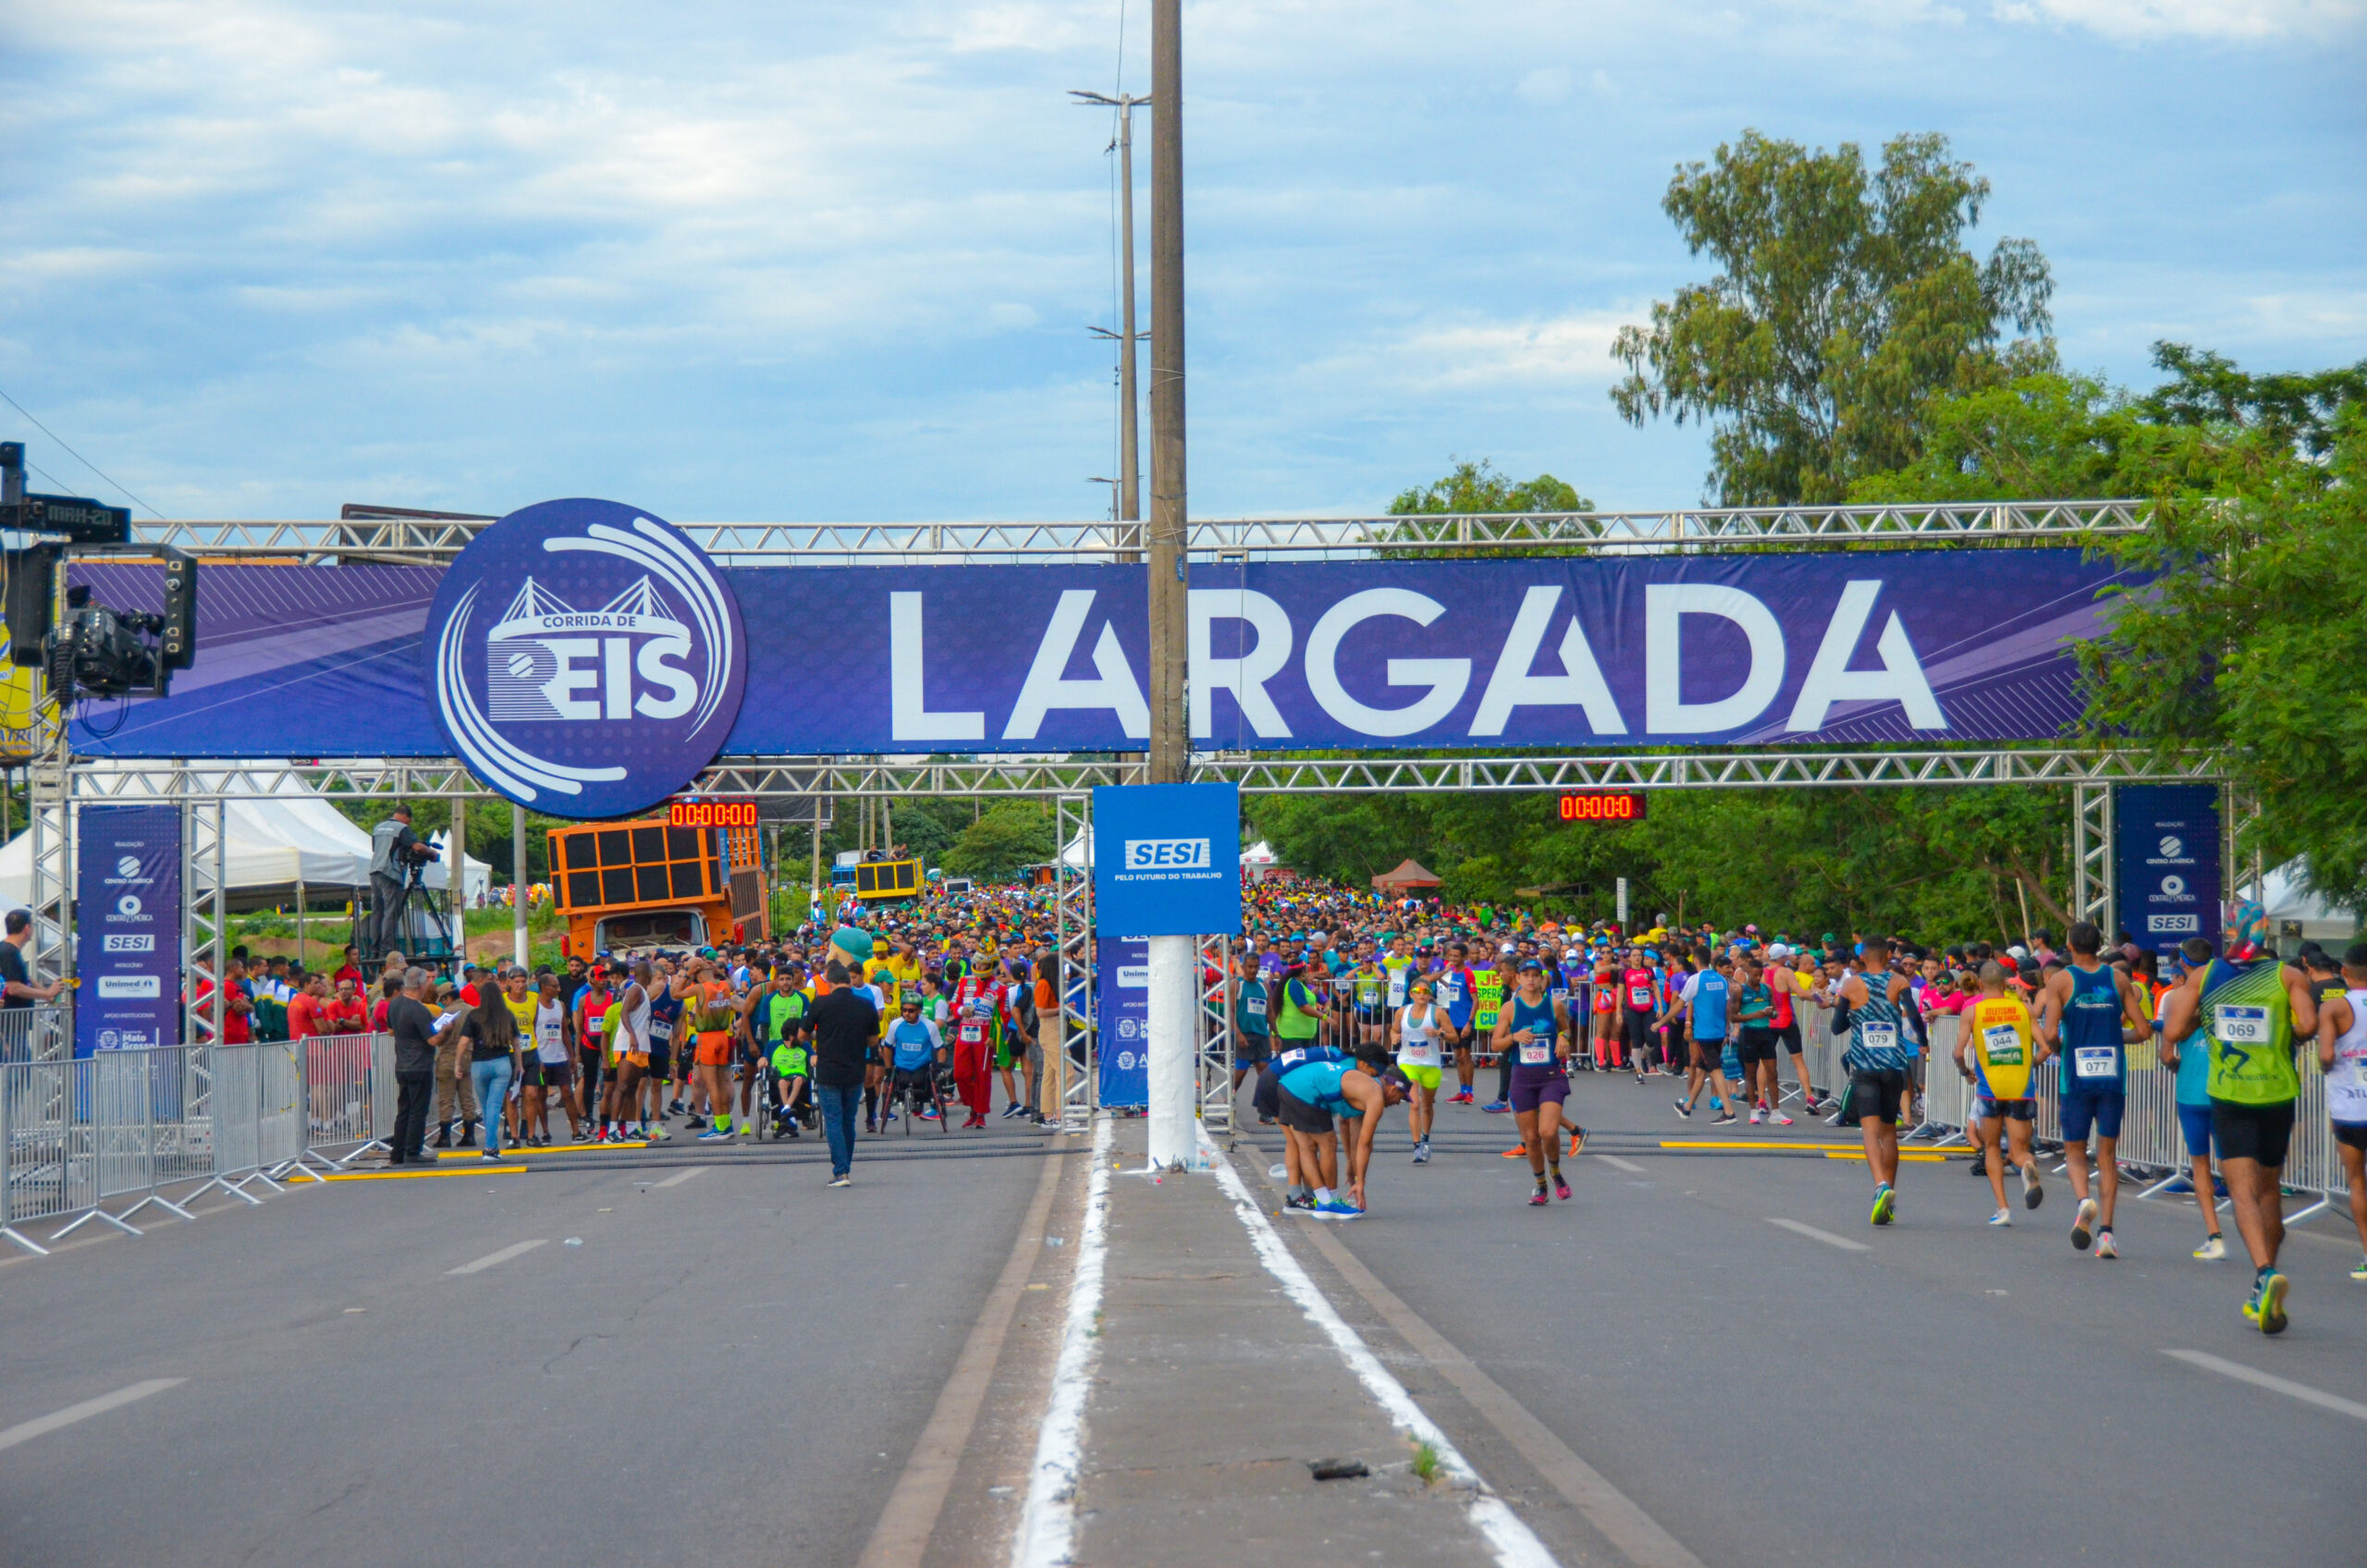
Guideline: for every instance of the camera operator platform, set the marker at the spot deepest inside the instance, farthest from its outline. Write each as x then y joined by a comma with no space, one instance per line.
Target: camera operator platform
398,862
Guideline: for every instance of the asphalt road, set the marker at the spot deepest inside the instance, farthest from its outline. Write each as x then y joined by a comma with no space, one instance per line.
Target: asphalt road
1935,1392
732,1367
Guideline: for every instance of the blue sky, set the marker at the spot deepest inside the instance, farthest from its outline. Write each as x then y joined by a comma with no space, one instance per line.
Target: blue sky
741,262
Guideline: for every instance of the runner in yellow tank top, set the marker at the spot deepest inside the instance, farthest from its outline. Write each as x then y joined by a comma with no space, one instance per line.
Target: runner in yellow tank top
1994,1034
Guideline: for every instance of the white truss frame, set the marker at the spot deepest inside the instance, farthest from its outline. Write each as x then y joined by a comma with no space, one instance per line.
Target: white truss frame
428,541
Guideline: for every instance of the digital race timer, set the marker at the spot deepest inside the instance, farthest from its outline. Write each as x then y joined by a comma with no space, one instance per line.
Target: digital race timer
710,814
1605,805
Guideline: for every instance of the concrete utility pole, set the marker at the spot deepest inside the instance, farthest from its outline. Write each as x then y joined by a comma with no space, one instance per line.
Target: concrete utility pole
1173,1015
1130,465
518,883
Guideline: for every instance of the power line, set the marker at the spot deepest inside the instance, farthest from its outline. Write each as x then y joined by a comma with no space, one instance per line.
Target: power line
72,453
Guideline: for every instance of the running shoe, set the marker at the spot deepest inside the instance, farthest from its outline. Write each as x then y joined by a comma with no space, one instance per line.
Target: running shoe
1885,1205
2213,1249
1298,1203
1725,1118
1754,1116
1777,1119
2104,1247
1538,1198
1336,1209
657,1135
2360,1271
842,1181
2001,1219
712,1136
1518,1151
1497,1107
1577,1139
2033,1195
1422,1152
2270,1316
1684,1110
932,1114
1561,1188
1461,1096
2081,1222
1014,1109
886,1117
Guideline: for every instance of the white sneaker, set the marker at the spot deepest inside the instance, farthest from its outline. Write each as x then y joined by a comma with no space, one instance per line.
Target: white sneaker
2213,1249
1777,1119
1754,1116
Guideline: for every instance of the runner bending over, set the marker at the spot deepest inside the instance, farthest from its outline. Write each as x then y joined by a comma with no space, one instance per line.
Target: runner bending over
1311,1096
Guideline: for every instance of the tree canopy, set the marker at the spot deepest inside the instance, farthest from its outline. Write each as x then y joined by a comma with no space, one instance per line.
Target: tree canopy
1846,300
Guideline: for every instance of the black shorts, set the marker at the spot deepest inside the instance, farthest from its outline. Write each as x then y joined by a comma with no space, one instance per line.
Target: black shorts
1756,1045
553,1074
1789,1036
2262,1132
1987,1109
1639,1029
1301,1117
1874,1092
1264,1100
1249,1050
661,1065
2351,1134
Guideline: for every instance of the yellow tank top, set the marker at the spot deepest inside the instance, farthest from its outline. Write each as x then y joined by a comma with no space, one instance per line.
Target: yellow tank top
2001,1046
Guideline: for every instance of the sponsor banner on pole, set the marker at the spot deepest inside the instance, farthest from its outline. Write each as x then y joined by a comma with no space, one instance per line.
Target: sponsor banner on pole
1167,859
1123,969
127,928
2165,841
1830,647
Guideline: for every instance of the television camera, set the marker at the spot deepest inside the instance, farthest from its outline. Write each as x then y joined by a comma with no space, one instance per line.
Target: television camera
89,649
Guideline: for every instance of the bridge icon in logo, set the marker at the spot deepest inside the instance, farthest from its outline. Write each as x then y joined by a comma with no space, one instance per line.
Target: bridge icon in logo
586,712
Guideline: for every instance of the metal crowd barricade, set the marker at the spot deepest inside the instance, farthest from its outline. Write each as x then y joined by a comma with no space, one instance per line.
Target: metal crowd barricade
1214,1055
1947,1098
40,1178
235,1100
41,1033
350,1090
76,1134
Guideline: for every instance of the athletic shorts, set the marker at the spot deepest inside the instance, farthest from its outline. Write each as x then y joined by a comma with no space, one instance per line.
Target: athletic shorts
1874,1092
1758,1045
2194,1121
1638,1028
1790,1036
2260,1132
2100,1107
1533,1085
1709,1055
715,1048
1424,1077
1301,1117
918,1084
1249,1050
661,1065
1986,1109
1264,1098
555,1075
2351,1135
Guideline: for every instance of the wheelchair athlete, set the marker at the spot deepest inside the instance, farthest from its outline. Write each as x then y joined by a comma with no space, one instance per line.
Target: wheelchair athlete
915,1053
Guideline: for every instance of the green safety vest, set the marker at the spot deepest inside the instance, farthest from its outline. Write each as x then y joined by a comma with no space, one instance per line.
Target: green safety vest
1292,1022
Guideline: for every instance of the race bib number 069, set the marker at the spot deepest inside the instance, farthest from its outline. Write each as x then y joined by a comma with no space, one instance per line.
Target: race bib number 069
2240,1025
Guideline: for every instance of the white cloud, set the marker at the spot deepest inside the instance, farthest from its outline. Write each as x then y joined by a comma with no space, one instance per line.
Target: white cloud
1564,352
2250,20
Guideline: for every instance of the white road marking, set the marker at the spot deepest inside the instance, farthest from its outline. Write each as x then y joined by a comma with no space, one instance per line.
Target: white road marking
2243,1374
1827,1237
1616,1163
1048,1519
1516,1545
516,1249
679,1177
27,1430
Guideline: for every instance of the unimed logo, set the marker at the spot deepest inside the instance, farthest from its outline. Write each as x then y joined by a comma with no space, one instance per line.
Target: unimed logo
1167,854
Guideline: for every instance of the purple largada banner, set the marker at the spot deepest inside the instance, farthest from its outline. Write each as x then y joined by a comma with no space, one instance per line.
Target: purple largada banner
1842,647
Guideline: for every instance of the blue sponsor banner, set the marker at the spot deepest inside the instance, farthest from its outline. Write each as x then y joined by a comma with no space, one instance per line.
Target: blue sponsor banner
1579,653
127,928
1121,967
1167,859
2166,849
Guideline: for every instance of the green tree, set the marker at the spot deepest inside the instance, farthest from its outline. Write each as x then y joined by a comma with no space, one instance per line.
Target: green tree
1480,489
1846,300
1010,833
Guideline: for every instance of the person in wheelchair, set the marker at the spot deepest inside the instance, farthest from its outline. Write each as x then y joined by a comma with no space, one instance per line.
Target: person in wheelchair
915,1053
789,1091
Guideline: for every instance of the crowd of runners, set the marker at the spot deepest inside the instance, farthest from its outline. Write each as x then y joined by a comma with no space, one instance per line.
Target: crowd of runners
1343,1004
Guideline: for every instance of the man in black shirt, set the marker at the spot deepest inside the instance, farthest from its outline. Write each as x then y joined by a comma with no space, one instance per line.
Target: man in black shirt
413,1024
846,1040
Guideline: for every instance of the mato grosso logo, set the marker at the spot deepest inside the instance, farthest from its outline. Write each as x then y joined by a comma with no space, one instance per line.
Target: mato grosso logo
584,658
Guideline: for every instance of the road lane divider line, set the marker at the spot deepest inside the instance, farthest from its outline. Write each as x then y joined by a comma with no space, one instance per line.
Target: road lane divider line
1616,1163
901,1538
40,1425
515,1249
1905,1156
2270,1381
1812,1233
1516,1544
1046,1533
679,1177
475,1170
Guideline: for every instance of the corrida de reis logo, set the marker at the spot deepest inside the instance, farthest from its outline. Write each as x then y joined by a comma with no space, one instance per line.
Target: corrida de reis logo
584,658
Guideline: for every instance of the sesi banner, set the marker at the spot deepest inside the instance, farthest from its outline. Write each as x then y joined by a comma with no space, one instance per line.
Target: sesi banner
1836,647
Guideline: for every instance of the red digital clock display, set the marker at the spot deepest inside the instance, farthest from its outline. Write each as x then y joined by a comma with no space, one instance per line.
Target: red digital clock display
1604,805
710,814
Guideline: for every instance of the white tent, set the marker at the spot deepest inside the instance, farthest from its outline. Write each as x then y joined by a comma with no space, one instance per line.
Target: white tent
1078,856
2292,902
269,844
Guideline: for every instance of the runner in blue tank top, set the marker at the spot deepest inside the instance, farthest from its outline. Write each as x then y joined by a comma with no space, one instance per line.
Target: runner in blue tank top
1534,1037
1707,997
2088,1013
1878,1058
1311,1095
